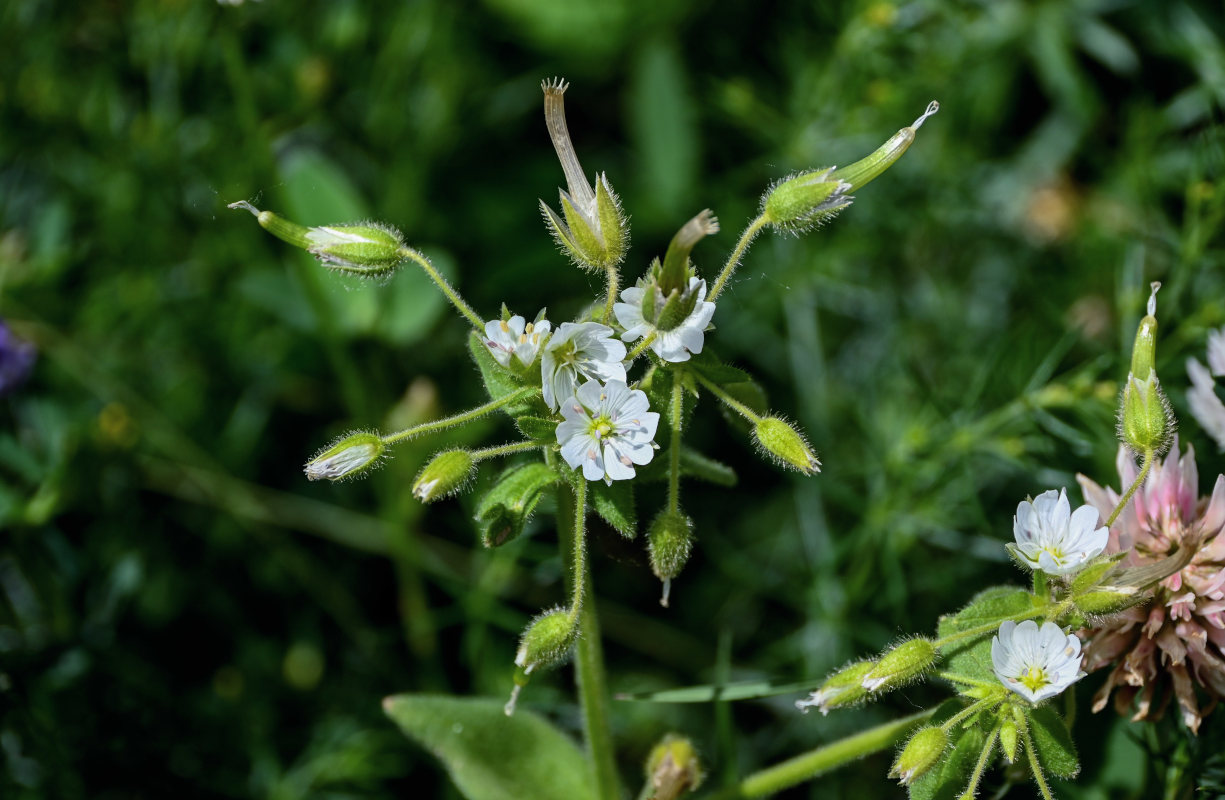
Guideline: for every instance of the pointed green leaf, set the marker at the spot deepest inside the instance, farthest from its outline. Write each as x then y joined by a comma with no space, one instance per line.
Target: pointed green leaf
491,756
538,429
609,212
971,657
503,511
1056,752
615,504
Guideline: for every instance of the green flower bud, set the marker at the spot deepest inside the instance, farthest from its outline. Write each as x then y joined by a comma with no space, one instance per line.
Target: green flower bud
446,474
920,754
676,271
594,231
843,688
1106,601
866,169
801,202
673,768
1146,421
669,542
786,445
902,664
547,640
1009,736
368,249
347,456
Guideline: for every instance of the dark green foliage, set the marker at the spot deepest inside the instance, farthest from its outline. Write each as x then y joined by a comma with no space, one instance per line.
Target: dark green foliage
504,509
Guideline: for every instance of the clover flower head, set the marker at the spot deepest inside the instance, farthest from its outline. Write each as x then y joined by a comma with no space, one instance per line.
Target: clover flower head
607,430
514,337
643,312
1178,637
1034,662
1053,538
583,349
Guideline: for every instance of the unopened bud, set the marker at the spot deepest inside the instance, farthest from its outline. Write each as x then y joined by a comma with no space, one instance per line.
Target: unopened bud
673,768
920,754
1106,600
902,664
803,201
1009,736
547,640
345,457
787,445
1146,421
669,542
446,474
675,273
367,249
843,688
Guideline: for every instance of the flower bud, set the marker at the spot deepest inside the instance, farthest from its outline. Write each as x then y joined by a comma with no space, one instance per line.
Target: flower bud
547,640
866,169
920,754
594,231
345,457
903,663
803,201
676,271
673,768
1009,736
1146,421
446,474
843,688
367,249
669,541
1106,600
786,445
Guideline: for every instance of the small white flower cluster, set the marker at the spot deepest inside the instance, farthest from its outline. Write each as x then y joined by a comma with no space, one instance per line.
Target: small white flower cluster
1053,538
606,428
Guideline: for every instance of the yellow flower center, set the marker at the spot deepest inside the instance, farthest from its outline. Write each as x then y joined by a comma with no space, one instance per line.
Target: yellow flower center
1034,678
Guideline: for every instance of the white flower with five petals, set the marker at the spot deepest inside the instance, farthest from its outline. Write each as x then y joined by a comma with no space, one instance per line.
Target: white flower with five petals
675,344
514,337
584,349
607,430
1053,538
1034,662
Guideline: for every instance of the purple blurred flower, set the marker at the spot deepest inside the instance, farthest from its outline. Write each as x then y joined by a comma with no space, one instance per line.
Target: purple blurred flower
16,360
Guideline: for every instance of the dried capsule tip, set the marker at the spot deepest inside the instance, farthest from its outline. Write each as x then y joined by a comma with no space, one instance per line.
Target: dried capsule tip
246,205
1152,298
932,108
509,708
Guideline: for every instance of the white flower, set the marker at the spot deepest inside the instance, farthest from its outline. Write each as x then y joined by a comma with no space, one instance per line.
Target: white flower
1216,352
584,349
674,344
1202,399
1054,539
1034,662
607,430
505,338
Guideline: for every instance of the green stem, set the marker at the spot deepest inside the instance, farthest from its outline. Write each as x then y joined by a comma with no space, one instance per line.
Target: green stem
807,766
971,710
1148,463
614,281
731,402
642,345
1039,777
461,418
980,766
674,474
503,450
588,656
446,288
746,238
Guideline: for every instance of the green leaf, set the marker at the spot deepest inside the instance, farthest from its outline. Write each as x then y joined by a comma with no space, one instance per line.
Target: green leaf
705,468
615,504
498,380
714,370
971,657
538,429
504,510
489,755
709,693
1053,742
947,779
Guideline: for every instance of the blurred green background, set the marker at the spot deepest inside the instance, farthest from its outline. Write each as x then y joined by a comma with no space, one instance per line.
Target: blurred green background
183,615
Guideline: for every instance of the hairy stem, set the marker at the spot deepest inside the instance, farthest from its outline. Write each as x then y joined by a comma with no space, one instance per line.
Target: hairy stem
1039,776
446,288
1136,484
504,450
641,347
674,472
980,766
731,402
807,766
990,627
589,655
614,280
746,238
461,418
